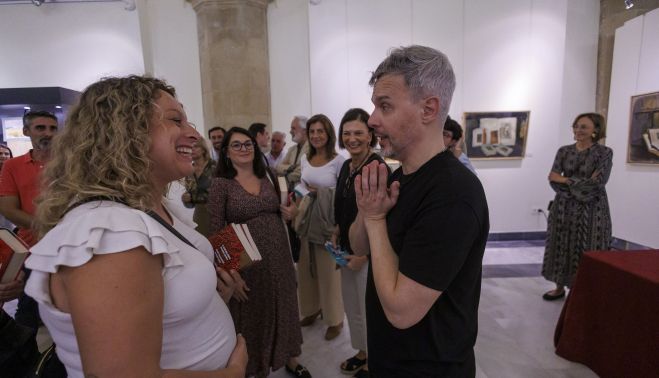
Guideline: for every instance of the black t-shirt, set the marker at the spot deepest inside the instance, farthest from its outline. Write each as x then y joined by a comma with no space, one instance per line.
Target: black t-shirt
438,229
345,202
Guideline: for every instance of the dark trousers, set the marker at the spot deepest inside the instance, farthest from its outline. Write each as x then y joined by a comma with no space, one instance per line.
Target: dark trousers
18,347
27,312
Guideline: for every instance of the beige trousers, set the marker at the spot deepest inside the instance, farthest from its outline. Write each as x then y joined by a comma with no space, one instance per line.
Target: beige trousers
353,285
319,283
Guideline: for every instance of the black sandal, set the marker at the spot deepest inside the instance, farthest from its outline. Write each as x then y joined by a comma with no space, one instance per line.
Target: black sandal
353,364
552,296
299,371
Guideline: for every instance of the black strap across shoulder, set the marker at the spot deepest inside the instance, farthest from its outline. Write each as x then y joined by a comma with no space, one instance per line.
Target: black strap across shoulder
151,213
170,228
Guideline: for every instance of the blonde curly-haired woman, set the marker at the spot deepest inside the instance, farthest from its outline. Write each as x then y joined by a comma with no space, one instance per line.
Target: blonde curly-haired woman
125,288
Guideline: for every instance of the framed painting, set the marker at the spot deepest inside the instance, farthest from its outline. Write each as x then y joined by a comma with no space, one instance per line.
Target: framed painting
496,135
12,128
643,142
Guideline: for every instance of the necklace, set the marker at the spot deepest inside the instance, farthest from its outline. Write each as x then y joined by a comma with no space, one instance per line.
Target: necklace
354,169
351,176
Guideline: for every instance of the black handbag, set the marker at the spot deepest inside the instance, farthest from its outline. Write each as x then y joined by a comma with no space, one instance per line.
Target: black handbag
295,242
48,366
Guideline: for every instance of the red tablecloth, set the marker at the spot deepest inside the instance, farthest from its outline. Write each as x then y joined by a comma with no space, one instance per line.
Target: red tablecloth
610,320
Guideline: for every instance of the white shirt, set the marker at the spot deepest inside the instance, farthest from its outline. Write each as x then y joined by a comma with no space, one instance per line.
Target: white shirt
272,161
324,176
198,332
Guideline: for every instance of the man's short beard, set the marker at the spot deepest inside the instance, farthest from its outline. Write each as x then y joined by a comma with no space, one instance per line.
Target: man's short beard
44,144
388,153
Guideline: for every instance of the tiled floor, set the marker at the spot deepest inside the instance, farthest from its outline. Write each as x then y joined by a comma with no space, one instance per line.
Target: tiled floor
516,327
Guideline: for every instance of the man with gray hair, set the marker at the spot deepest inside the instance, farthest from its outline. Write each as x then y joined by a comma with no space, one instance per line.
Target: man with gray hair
276,153
290,166
425,227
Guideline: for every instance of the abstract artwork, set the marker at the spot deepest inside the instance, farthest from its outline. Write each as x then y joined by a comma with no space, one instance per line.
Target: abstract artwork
643,143
496,135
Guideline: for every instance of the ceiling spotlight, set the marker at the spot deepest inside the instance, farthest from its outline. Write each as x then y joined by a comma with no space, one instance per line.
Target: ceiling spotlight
58,107
629,4
37,2
26,108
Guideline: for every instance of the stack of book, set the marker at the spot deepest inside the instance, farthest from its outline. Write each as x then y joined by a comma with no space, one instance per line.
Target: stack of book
234,247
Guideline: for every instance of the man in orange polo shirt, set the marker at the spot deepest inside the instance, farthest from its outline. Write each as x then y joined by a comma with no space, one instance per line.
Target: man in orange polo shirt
19,186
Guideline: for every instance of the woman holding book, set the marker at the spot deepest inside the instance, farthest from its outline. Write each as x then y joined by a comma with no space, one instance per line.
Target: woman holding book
264,309
318,275
197,185
125,288
579,218
358,139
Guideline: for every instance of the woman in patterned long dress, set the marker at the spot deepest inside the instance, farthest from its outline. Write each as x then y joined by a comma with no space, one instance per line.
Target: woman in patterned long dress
265,308
579,219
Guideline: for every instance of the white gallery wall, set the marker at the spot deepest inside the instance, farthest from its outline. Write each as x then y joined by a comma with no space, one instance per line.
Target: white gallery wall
67,45
171,51
72,45
288,53
507,55
632,188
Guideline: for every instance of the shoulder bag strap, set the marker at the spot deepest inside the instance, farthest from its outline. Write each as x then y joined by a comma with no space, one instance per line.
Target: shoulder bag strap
171,229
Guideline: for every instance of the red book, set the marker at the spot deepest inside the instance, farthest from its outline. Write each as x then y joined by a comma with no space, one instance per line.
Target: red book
13,252
234,248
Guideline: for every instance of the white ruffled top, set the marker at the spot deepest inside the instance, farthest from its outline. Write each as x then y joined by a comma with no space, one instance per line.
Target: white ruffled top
198,332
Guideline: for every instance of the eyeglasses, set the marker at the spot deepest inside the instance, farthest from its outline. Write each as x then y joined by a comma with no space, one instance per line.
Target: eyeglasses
237,146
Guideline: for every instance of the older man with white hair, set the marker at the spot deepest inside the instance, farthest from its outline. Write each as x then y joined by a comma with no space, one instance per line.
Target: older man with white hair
290,165
277,144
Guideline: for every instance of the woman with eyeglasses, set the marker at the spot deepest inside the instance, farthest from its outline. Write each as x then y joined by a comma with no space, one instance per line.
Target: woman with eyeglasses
579,217
318,275
197,185
264,307
358,139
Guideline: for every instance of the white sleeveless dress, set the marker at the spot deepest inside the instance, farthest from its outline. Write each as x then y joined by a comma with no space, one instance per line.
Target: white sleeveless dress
198,332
